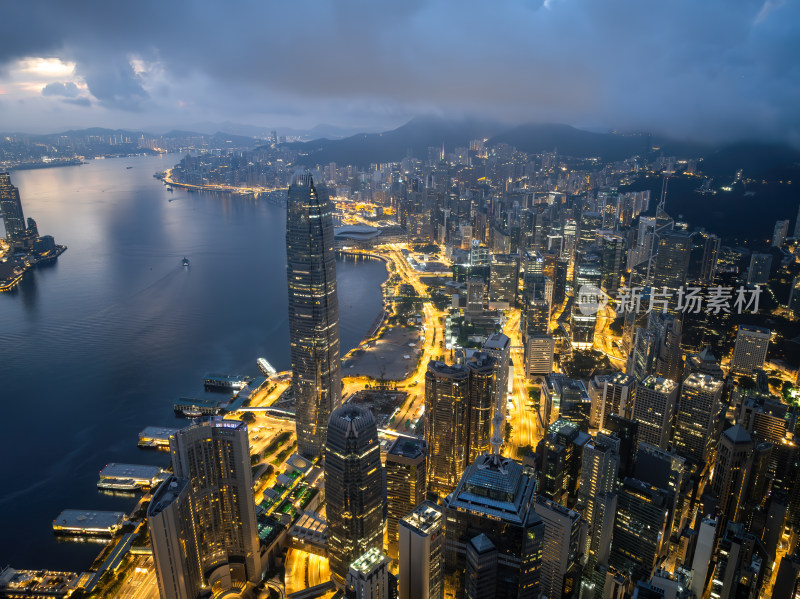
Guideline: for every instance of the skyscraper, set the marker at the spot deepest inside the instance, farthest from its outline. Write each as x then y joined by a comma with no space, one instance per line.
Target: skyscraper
564,535
779,233
405,484
495,498
169,520
750,349
353,488
214,457
313,310
732,471
654,408
421,560
640,528
11,208
698,412
368,576
459,405
672,260
611,394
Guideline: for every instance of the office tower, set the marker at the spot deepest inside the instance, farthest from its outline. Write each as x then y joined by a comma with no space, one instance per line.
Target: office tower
480,575
591,222
704,258
498,346
672,260
368,576
640,528
668,329
703,553
474,297
570,238
459,406
642,358
214,457
599,471
612,265
421,561
405,484
627,431
797,225
564,537
482,397
601,531
668,471
583,319
313,310
738,571
539,351
750,350
732,471
538,344
568,397
779,233
175,555
698,417
503,281
560,456
495,498
654,408
611,394
760,265
446,425
608,204
353,488
11,209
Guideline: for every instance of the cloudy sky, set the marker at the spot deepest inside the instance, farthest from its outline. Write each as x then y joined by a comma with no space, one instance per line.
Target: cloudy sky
705,69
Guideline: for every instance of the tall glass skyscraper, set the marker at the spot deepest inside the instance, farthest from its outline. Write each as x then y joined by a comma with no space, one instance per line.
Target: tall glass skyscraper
313,310
11,208
353,488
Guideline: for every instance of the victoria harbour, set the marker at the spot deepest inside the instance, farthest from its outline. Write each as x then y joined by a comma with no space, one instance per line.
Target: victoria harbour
100,344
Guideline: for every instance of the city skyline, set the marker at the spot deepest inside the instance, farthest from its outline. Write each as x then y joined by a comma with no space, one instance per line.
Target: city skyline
552,61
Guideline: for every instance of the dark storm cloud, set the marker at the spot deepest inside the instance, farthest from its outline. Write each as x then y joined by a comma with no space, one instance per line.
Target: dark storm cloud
711,69
68,89
78,101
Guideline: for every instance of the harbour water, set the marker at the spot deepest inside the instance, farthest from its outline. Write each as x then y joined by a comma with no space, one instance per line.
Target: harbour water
99,345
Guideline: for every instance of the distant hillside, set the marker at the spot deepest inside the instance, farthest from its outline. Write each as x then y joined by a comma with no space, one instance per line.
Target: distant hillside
391,146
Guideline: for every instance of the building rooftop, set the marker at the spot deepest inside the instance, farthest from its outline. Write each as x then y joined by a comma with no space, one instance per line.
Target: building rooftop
738,434
407,448
88,520
370,560
134,471
157,432
423,518
166,494
659,384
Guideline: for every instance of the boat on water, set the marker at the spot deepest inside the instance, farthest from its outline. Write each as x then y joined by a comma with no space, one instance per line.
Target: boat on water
128,168
186,262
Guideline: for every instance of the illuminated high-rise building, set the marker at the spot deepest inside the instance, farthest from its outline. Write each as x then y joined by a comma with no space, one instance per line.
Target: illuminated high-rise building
503,281
611,394
655,405
564,534
640,528
405,484
494,498
698,414
750,349
732,471
599,471
175,555
353,488
672,260
459,407
214,457
421,559
11,209
313,310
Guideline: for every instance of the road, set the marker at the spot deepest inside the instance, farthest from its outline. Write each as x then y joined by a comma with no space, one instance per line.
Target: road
301,567
142,583
524,421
